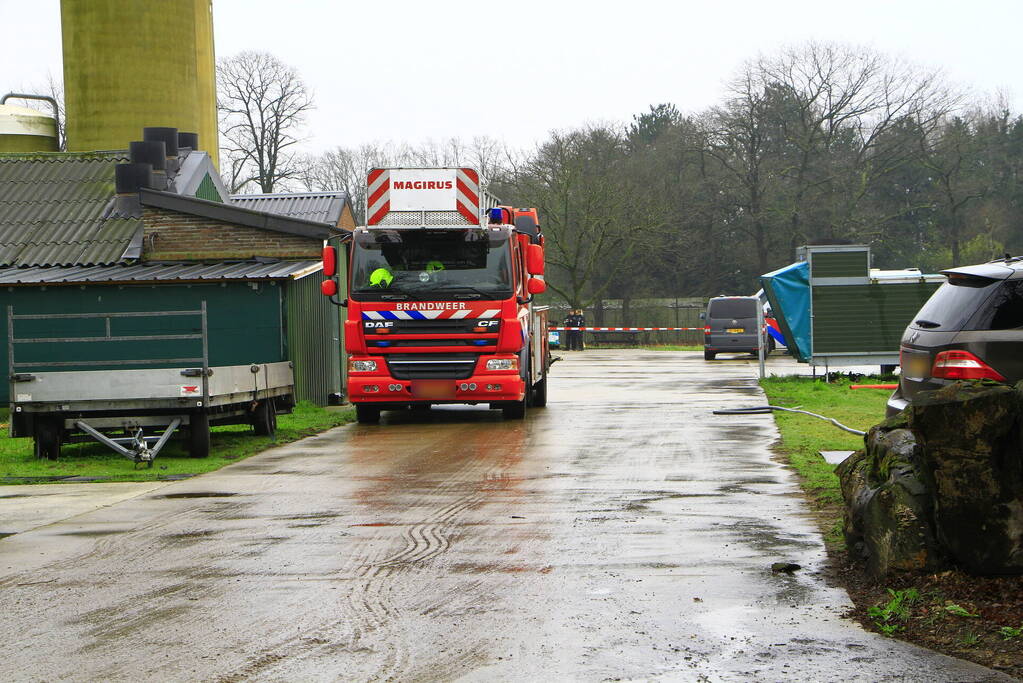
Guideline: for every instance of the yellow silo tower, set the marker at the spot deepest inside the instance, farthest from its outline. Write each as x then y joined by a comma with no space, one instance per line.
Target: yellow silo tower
135,63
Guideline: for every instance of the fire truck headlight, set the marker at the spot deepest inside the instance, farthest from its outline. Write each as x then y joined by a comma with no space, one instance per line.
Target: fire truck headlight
503,364
362,366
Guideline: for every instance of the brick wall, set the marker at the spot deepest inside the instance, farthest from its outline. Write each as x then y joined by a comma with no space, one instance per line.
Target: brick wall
347,219
170,235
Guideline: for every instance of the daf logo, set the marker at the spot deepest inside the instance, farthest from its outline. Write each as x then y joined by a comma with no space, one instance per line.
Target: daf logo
372,324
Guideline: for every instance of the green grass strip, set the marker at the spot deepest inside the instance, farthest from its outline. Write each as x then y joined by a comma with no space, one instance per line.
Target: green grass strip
803,437
228,444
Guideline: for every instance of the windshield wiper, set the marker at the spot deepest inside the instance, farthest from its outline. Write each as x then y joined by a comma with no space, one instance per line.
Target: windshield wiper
478,292
926,323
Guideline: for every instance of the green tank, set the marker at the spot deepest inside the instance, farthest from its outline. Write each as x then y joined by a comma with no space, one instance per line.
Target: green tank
131,64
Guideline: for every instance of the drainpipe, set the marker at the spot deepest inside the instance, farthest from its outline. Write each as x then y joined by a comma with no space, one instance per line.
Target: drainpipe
42,98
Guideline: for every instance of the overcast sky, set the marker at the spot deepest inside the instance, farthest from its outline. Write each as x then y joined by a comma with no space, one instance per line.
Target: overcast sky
402,70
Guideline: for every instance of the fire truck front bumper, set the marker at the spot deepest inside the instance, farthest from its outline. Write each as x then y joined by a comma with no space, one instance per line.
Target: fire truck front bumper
481,387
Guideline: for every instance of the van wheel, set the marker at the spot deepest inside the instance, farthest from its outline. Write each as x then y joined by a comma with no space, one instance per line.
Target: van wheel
366,414
709,355
199,435
47,439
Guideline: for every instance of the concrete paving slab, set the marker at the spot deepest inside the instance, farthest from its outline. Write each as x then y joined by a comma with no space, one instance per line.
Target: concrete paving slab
28,506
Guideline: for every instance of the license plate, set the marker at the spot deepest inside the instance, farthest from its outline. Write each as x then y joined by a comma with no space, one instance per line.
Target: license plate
918,366
434,389
735,330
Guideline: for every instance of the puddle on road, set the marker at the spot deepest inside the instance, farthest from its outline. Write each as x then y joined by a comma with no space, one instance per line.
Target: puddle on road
94,533
5,534
198,494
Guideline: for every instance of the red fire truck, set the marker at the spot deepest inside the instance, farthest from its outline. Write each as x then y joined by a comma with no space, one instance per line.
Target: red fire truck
440,297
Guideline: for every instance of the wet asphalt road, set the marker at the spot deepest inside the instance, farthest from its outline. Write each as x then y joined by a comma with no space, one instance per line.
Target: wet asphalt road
622,533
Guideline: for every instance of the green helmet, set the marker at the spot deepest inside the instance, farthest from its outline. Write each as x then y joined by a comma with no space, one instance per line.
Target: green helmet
381,277
434,265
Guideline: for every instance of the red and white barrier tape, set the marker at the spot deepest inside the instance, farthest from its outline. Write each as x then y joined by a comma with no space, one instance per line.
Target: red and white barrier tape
625,329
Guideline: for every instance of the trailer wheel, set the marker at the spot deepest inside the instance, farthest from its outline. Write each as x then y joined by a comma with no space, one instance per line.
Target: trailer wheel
199,435
366,414
540,393
264,418
709,355
47,439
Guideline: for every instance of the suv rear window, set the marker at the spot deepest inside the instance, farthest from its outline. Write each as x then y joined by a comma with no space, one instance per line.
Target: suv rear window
954,303
1003,310
732,308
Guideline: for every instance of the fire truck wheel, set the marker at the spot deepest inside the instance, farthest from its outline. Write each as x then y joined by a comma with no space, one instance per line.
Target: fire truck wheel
47,439
199,435
709,355
366,414
514,410
540,393
264,418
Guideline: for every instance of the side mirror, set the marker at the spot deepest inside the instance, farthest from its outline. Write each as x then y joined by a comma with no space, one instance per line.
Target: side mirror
703,316
536,286
534,259
329,263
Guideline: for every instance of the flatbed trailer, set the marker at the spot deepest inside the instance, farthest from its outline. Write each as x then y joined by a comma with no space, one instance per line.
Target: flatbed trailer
134,410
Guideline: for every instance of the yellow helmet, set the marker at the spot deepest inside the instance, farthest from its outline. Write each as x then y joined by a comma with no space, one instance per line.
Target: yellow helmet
381,277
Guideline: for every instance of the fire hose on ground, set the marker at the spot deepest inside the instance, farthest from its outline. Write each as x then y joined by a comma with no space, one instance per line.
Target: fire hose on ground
763,410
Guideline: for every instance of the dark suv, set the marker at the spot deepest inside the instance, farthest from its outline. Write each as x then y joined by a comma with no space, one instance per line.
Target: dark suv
971,328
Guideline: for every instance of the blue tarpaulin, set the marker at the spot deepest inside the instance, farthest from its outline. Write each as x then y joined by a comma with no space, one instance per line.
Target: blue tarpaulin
788,291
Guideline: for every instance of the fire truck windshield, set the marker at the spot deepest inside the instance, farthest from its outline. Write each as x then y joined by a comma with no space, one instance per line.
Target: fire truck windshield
443,265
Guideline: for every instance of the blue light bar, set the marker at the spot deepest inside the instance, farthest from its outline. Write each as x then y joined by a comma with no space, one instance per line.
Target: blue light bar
496,215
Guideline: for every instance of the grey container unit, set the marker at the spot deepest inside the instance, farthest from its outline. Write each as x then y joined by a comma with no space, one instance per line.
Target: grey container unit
858,314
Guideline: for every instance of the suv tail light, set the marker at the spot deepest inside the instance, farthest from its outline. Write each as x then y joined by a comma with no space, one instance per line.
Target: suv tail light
963,365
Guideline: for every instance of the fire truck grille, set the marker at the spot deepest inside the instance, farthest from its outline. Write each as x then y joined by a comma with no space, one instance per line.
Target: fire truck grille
432,366
446,326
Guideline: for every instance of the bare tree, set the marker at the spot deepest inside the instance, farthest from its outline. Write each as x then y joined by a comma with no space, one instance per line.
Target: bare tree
262,104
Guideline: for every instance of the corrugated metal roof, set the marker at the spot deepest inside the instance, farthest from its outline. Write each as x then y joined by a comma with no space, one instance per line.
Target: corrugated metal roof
53,210
323,207
159,272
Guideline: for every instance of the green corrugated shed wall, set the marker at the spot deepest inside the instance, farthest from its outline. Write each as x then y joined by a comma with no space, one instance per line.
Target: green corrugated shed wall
840,263
249,322
314,339
864,318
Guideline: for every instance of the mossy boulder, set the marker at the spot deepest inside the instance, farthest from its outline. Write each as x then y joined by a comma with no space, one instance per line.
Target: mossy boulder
888,509
941,484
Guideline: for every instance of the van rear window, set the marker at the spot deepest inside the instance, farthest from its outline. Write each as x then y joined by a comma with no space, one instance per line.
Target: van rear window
732,308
